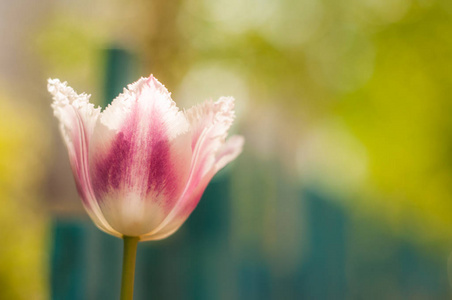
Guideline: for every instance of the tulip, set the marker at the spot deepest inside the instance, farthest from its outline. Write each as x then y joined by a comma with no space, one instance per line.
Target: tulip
141,165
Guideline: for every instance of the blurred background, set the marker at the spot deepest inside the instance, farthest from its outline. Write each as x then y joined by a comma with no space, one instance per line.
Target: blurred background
344,189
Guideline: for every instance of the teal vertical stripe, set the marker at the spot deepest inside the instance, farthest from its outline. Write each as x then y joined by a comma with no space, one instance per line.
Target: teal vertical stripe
68,261
120,71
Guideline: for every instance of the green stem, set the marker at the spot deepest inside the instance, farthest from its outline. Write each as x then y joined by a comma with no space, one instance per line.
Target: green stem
128,266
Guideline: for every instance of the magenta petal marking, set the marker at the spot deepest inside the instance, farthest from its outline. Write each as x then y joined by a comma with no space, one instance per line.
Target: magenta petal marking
160,175
137,162
109,170
78,159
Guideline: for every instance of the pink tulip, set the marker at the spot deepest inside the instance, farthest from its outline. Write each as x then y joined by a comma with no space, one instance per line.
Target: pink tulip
142,165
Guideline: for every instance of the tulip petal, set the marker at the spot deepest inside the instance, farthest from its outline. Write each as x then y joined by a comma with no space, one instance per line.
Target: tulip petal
229,151
141,157
181,212
141,165
77,119
209,125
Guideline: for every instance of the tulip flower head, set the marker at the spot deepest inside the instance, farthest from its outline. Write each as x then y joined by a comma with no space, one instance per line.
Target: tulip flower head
141,165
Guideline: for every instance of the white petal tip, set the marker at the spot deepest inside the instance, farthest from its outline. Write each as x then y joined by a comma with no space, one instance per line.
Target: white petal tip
151,81
227,101
64,94
54,85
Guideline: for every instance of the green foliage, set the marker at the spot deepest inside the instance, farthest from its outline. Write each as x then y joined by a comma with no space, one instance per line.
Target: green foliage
401,116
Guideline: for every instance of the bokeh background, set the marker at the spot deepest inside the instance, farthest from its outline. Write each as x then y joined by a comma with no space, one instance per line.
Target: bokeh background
344,189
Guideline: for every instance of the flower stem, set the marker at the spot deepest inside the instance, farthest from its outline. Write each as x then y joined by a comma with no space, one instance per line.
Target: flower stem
128,266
